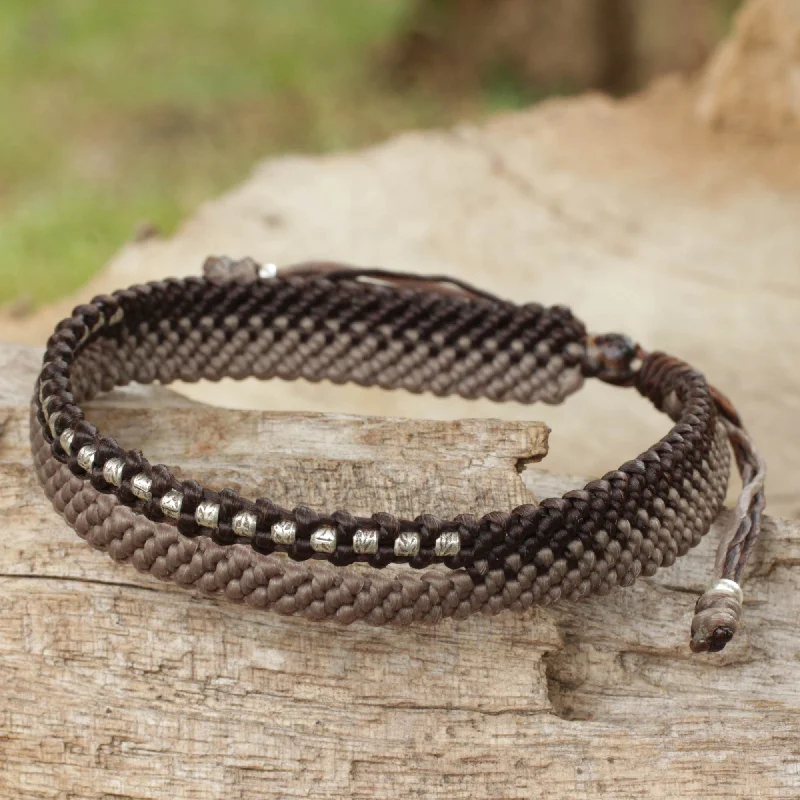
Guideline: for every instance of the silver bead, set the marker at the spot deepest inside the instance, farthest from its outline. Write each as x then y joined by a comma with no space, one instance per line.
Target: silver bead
86,457
244,524
267,271
51,422
207,514
406,545
729,587
112,471
171,504
365,542
323,540
448,544
141,486
67,435
284,532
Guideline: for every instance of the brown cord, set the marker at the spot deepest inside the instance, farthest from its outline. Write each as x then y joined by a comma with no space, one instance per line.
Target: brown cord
323,321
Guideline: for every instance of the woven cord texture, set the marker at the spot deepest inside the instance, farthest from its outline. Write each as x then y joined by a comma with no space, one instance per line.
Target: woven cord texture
317,590
630,522
316,329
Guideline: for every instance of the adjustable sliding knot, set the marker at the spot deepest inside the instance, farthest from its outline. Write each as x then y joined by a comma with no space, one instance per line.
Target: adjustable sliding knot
717,615
613,358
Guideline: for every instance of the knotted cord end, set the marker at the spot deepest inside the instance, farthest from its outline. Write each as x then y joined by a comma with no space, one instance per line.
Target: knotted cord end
245,270
717,615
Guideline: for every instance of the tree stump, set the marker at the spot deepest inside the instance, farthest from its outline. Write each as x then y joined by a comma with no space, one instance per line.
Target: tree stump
116,685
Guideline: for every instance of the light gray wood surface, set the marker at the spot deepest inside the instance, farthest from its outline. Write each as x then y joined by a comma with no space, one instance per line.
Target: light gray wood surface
115,685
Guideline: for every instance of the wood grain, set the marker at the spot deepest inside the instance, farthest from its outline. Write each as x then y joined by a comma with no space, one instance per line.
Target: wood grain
115,685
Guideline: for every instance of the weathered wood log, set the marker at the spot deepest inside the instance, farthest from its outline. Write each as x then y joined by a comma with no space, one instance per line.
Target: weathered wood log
115,685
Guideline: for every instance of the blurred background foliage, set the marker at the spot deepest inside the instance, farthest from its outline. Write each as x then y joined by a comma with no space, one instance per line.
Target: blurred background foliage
119,118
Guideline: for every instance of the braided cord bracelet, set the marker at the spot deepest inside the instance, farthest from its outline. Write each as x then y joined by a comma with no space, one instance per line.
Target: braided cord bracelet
393,330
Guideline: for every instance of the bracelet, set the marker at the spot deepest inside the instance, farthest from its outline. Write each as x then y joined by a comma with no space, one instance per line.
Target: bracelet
373,327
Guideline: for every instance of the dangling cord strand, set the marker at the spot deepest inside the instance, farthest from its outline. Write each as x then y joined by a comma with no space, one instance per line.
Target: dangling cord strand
442,284
718,611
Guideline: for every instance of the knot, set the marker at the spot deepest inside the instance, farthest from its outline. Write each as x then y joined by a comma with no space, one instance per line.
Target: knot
716,617
614,358
246,270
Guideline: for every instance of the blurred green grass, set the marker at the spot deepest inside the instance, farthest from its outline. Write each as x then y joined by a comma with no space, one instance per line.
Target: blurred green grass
117,113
